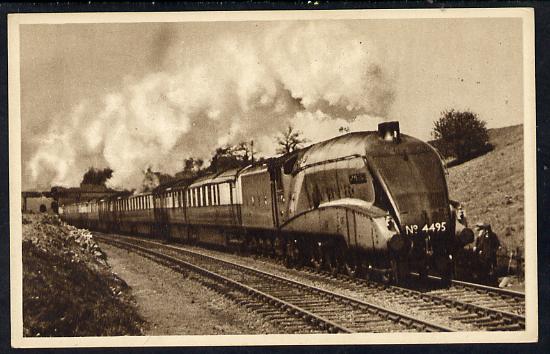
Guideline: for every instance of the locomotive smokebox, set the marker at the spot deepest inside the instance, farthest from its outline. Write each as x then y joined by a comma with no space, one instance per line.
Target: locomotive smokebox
389,131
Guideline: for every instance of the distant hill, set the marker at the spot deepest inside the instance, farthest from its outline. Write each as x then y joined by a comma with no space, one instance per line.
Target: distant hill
491,186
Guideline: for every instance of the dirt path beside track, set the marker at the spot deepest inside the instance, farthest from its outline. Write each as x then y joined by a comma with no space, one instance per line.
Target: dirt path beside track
175,304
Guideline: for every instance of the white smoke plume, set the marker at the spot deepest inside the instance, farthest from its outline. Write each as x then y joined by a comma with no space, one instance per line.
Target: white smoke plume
316,76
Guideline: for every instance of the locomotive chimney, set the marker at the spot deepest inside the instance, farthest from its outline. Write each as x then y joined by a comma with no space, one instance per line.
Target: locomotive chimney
389,131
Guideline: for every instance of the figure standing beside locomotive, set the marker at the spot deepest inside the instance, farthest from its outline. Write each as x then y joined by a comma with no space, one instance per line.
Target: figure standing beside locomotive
366,202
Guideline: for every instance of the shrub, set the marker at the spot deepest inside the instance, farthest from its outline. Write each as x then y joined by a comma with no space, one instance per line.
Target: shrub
460,134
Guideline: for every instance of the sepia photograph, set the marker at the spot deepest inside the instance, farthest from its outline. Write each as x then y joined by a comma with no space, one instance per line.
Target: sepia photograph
272,177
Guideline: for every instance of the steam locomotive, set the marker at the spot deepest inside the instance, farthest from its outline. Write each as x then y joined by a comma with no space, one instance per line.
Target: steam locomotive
372,203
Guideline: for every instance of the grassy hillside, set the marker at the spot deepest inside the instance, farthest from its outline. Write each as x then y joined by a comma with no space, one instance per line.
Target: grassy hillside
491,186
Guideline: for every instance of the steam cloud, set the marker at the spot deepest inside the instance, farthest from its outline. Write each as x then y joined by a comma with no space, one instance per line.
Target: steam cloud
315,76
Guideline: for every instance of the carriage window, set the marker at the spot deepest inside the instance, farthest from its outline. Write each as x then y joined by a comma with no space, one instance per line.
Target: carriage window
214,190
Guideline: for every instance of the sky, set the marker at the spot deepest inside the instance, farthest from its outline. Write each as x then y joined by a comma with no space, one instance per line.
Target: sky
138,95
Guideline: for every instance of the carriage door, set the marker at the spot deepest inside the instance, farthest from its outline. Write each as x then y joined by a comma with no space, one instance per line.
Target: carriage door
234,195
277,195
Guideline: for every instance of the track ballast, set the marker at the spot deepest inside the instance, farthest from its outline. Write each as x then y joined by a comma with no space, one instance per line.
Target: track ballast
296,306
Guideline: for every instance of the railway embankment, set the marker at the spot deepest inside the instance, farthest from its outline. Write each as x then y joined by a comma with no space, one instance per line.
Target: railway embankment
491,188
69,289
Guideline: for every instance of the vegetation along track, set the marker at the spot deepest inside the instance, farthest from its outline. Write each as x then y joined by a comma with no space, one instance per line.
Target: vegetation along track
296,307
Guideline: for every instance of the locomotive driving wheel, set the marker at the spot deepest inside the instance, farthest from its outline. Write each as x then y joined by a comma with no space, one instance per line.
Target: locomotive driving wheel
352,268
293,256
334,258
318,256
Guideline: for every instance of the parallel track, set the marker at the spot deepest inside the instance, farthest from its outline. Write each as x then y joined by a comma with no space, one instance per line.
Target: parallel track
481,295
311,309
474,305
485,308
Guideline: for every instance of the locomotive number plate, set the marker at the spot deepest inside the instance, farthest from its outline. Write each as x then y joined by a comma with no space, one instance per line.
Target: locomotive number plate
433,227
357,178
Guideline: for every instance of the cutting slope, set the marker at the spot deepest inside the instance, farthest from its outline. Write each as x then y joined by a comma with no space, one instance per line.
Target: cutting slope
491,186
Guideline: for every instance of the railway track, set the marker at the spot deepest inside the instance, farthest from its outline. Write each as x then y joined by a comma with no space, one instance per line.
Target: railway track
507,301
482,307
475,306
296,307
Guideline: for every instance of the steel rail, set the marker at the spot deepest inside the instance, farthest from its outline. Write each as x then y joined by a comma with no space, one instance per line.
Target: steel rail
288,307
368,308
499,319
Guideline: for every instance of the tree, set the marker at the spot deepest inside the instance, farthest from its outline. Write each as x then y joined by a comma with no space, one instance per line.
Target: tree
289,140
243,151
460,134
192,165
228,157
97,176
